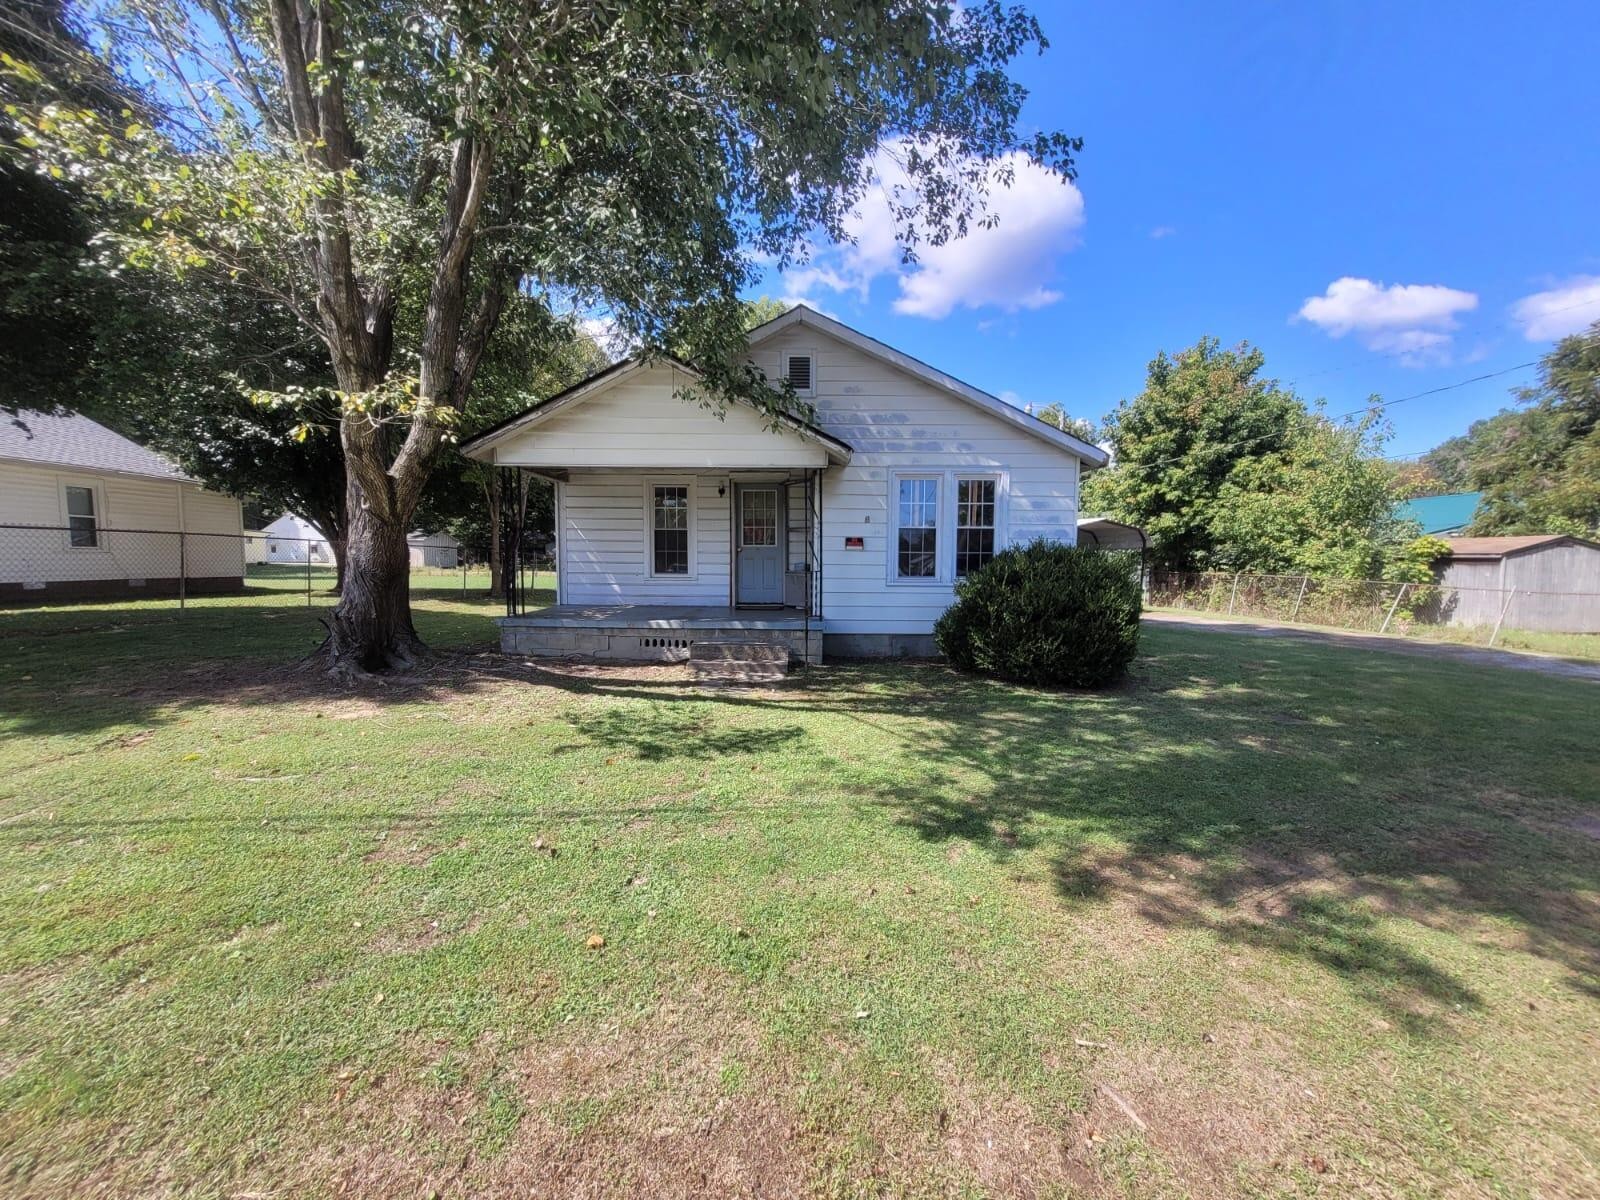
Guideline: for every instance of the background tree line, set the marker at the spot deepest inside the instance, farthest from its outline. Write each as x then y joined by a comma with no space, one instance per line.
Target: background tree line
1227,470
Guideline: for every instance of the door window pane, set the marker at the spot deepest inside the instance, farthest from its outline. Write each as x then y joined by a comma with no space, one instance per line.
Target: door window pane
974,524
670,521
758,517
918,546
81,529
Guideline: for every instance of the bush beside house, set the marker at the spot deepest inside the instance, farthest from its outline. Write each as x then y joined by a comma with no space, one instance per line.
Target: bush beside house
1045,613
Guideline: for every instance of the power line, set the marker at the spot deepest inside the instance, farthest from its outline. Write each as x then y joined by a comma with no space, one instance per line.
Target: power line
1367,408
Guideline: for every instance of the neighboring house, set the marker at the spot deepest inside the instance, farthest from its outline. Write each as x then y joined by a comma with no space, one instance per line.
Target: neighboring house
677,523
86,512
255,546
434,550
1547,582
1440,516
292,539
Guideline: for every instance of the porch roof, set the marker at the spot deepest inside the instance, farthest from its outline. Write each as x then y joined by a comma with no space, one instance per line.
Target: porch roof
640,430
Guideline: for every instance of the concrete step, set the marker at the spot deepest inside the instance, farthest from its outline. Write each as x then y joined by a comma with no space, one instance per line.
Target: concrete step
724,672
742,650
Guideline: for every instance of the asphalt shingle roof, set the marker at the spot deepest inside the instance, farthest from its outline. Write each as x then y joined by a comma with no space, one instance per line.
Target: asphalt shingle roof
68,439
1499,547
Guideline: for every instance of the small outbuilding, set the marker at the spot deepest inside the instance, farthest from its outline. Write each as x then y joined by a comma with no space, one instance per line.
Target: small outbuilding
292,539
434,550
1546,582
1105,534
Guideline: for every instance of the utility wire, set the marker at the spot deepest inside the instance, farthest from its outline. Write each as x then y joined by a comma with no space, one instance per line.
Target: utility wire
1375,406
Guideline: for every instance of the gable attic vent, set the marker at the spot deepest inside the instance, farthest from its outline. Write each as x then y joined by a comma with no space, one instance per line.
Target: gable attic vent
798,372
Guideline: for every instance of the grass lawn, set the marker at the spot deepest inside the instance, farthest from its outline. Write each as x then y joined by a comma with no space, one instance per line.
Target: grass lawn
1270,919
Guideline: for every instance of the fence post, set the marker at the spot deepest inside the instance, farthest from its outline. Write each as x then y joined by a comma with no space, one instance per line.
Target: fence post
1304,579
183,571
1504,608
308,571
1234,595
1397,598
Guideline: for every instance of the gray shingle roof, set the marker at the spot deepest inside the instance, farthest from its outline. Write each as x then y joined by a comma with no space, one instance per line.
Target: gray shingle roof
67,439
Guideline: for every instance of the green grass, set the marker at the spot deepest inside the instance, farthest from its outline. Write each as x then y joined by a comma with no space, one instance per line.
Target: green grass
1329,918
1583,647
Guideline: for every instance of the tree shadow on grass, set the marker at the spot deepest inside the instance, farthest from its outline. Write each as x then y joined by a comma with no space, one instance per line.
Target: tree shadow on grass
1289,797
1301,800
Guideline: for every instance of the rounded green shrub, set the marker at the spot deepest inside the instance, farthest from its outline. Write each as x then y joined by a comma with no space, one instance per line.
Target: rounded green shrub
1046,613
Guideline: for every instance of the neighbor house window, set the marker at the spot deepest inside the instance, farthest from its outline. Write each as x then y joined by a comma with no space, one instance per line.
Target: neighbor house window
974,524
669,522
917,519
81,527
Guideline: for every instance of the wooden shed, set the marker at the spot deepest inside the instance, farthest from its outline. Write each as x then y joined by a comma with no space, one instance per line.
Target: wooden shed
1544,581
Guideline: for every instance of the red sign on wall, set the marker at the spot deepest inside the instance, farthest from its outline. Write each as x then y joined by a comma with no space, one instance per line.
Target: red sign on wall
855,543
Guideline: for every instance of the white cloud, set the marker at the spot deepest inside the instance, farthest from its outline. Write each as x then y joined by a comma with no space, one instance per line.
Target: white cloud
1411,321
1162,231
1570,307
1008,265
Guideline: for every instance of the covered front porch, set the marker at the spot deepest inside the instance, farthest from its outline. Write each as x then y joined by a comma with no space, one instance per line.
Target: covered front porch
655,632
677,522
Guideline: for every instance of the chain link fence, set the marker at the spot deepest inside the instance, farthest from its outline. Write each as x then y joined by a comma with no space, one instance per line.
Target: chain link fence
86,575
1562,622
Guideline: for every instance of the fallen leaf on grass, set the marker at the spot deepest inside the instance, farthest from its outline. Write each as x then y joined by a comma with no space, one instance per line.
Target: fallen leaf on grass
595,941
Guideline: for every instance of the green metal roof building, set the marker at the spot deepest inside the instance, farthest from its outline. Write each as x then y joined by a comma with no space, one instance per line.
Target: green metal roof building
1440,515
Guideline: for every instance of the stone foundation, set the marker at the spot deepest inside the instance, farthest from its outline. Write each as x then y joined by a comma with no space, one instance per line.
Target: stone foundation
643,643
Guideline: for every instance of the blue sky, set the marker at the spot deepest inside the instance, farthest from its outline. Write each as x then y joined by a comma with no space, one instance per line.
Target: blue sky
1426,176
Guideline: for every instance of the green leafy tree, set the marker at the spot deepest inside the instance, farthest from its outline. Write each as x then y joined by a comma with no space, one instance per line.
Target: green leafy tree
1225,470
393,175
1054,414
1538,466
1203,414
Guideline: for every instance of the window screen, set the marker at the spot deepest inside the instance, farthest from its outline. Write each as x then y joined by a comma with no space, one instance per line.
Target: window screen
974,524
799,372
918,545
81,529
670,524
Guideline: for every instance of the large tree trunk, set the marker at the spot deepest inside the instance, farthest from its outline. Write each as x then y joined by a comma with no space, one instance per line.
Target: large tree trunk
371,628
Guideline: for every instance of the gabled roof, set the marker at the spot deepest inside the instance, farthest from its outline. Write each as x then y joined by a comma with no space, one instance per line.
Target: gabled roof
1027,422
479,445
1490,548
69,439
1440,514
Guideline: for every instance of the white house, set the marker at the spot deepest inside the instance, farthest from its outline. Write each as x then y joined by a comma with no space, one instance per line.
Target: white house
87,512
677,523
292,539
433,550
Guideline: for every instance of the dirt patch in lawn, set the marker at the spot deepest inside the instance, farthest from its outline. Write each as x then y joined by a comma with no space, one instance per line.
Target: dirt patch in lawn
673,1105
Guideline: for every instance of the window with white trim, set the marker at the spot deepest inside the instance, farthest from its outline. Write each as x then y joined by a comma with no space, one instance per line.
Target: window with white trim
917,527
83,529
669,529
975,523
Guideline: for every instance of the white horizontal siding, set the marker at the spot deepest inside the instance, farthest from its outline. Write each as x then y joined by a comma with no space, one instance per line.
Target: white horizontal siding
894,422
33,496
604,543
642,422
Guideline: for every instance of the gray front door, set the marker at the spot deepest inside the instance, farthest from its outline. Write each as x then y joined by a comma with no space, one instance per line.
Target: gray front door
758,544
